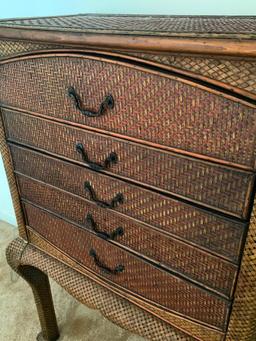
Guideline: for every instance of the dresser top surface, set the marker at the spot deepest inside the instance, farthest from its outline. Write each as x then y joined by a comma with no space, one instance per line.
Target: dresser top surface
243,27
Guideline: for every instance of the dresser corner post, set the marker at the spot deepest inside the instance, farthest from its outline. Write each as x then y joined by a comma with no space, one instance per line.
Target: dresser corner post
40,285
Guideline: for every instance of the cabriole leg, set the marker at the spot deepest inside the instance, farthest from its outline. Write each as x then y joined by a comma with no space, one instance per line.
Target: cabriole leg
40,286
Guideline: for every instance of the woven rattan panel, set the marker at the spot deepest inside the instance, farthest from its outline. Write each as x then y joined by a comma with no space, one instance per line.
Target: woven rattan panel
242,324
194,120
222,236
213,185
138,276
115,308
10,48
149,25
236,72
6,157
190,261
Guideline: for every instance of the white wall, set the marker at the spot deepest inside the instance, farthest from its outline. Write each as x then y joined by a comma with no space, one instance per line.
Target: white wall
17,8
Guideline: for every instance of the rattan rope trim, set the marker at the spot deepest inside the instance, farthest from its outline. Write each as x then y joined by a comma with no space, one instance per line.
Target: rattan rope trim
4,151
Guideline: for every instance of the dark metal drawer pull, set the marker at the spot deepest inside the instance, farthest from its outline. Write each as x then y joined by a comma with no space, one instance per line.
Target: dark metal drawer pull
103,267
118,199
112,158
108,103
105,235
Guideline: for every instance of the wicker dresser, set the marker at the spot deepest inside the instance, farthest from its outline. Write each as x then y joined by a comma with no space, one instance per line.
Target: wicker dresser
129,146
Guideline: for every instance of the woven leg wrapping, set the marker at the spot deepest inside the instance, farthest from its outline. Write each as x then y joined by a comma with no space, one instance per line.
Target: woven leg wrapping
40,286
113,307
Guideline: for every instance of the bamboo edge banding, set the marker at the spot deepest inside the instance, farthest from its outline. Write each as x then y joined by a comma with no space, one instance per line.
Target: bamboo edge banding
224,47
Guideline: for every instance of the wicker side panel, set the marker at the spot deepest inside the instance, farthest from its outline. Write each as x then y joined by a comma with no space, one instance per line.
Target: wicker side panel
112,306
171,113
138,276
242,324
4,150
187,260
220,235
223,188
236,72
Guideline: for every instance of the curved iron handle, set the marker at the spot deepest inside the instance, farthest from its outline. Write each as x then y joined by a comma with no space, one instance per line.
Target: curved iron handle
105,235
107,103
112,158
119,268
118,198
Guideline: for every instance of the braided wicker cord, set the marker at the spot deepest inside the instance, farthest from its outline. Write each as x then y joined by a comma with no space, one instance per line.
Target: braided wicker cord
85,290
4,151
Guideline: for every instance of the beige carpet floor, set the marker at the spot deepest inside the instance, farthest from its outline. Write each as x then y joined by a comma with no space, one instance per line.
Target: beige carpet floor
18,317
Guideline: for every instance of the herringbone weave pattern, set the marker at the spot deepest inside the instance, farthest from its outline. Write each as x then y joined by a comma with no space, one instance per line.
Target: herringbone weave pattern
170,113
222,236
138,276
239,73
216,186
187,260
158,25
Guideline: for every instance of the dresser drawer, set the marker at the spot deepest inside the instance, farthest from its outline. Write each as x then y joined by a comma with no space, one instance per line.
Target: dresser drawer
217,186
128,271
148,105
220,235
191,262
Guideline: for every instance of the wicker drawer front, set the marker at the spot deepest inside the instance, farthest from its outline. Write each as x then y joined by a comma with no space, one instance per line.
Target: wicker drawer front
138,276
213,185
221,236
148,105
189,261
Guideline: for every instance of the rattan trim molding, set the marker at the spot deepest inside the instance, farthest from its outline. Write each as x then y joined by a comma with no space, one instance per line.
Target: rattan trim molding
5,153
